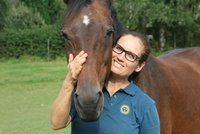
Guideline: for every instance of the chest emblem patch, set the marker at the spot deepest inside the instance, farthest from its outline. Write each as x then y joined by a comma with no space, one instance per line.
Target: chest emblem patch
125,109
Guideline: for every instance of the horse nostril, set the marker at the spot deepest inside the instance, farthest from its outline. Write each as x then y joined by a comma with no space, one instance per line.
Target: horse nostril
76,95
100,93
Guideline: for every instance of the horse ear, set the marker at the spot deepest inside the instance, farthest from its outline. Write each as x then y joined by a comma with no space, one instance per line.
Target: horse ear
67,1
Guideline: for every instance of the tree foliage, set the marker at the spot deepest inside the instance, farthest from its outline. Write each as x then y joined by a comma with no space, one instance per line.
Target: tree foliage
168,18
3,12
50,10
26,25
43,42
21,17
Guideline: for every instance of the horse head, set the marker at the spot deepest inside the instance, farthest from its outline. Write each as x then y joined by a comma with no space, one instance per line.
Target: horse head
89,25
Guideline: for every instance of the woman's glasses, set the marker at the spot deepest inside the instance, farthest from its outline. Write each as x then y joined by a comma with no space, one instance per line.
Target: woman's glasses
128,55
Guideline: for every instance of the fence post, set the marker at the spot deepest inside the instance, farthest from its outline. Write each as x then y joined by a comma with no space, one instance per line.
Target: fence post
48,50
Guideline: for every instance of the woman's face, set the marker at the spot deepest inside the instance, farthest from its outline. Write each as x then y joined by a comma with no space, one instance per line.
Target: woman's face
121,66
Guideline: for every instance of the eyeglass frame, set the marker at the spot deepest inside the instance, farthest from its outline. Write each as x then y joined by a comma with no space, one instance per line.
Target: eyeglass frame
136,57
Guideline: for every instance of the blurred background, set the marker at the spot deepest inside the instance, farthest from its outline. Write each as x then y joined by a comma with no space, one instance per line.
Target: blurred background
30,27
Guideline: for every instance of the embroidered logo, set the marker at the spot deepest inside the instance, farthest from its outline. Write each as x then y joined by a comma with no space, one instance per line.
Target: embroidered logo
125,109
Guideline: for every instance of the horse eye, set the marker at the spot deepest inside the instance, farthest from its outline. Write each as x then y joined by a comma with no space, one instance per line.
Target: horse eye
65,35
110,32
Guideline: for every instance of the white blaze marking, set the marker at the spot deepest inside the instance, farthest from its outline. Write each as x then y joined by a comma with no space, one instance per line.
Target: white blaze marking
86,20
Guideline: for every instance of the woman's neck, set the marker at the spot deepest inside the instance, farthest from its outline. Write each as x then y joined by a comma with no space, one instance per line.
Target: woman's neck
116,83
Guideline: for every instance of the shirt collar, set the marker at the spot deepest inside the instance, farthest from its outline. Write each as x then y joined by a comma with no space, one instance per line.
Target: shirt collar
130,89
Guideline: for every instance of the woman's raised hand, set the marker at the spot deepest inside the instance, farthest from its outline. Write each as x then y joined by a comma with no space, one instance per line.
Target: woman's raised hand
75,65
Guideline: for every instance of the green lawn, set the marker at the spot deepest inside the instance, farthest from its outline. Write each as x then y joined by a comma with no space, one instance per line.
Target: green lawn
27,91
28,88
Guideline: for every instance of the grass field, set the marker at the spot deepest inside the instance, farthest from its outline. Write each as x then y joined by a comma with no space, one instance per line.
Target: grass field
27,91
28,88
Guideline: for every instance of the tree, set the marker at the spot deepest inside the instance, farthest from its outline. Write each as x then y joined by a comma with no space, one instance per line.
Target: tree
50,10
3,12
21,17
166,20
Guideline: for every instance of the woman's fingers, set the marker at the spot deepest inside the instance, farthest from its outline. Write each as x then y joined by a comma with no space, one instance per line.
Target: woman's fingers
75,64
82,58
71,57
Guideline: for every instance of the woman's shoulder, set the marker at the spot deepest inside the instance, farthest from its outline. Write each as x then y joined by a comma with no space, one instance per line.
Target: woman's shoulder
141,99
142,104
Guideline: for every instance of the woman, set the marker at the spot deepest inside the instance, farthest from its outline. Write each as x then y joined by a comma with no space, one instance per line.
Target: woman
127,110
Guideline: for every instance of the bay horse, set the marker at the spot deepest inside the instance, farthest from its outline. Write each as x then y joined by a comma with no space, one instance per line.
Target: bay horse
172,80
89,25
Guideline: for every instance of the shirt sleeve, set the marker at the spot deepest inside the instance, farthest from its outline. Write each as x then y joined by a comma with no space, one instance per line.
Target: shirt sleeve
72,109
150,123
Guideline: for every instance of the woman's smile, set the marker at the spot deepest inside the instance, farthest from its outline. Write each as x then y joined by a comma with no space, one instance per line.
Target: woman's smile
117,64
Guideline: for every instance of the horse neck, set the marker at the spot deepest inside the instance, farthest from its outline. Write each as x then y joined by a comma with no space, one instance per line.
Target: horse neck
149,77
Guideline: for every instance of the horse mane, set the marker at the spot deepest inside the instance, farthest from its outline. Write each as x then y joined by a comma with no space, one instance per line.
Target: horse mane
117,25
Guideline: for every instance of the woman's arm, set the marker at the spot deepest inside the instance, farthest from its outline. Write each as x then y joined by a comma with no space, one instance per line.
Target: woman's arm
60,117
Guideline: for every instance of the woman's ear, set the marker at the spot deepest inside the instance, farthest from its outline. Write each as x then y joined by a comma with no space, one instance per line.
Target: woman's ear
139,67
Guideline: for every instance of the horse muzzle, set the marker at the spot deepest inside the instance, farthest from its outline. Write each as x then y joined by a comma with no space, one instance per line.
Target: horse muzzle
89,107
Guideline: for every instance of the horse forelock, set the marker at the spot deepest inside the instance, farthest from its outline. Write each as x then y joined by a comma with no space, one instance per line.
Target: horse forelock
73,6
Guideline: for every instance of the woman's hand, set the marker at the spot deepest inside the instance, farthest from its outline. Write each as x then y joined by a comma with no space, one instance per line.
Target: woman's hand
75,65
60,116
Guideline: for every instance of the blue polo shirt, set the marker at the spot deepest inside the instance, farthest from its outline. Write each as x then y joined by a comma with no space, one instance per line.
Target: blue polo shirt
128,111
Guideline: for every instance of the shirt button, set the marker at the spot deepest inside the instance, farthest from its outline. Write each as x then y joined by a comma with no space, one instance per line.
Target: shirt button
111,104
115,96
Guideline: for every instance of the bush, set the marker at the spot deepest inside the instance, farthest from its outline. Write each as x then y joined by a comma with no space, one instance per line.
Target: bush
50,10
32,42
21,17
3,12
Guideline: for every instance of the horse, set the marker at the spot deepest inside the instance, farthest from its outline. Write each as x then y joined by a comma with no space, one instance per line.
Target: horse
172,79
92,26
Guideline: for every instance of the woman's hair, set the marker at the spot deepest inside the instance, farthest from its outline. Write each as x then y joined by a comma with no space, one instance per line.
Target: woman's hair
143,38
147,49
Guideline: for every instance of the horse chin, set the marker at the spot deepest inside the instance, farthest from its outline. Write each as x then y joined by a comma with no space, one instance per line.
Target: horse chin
89,116
89,112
